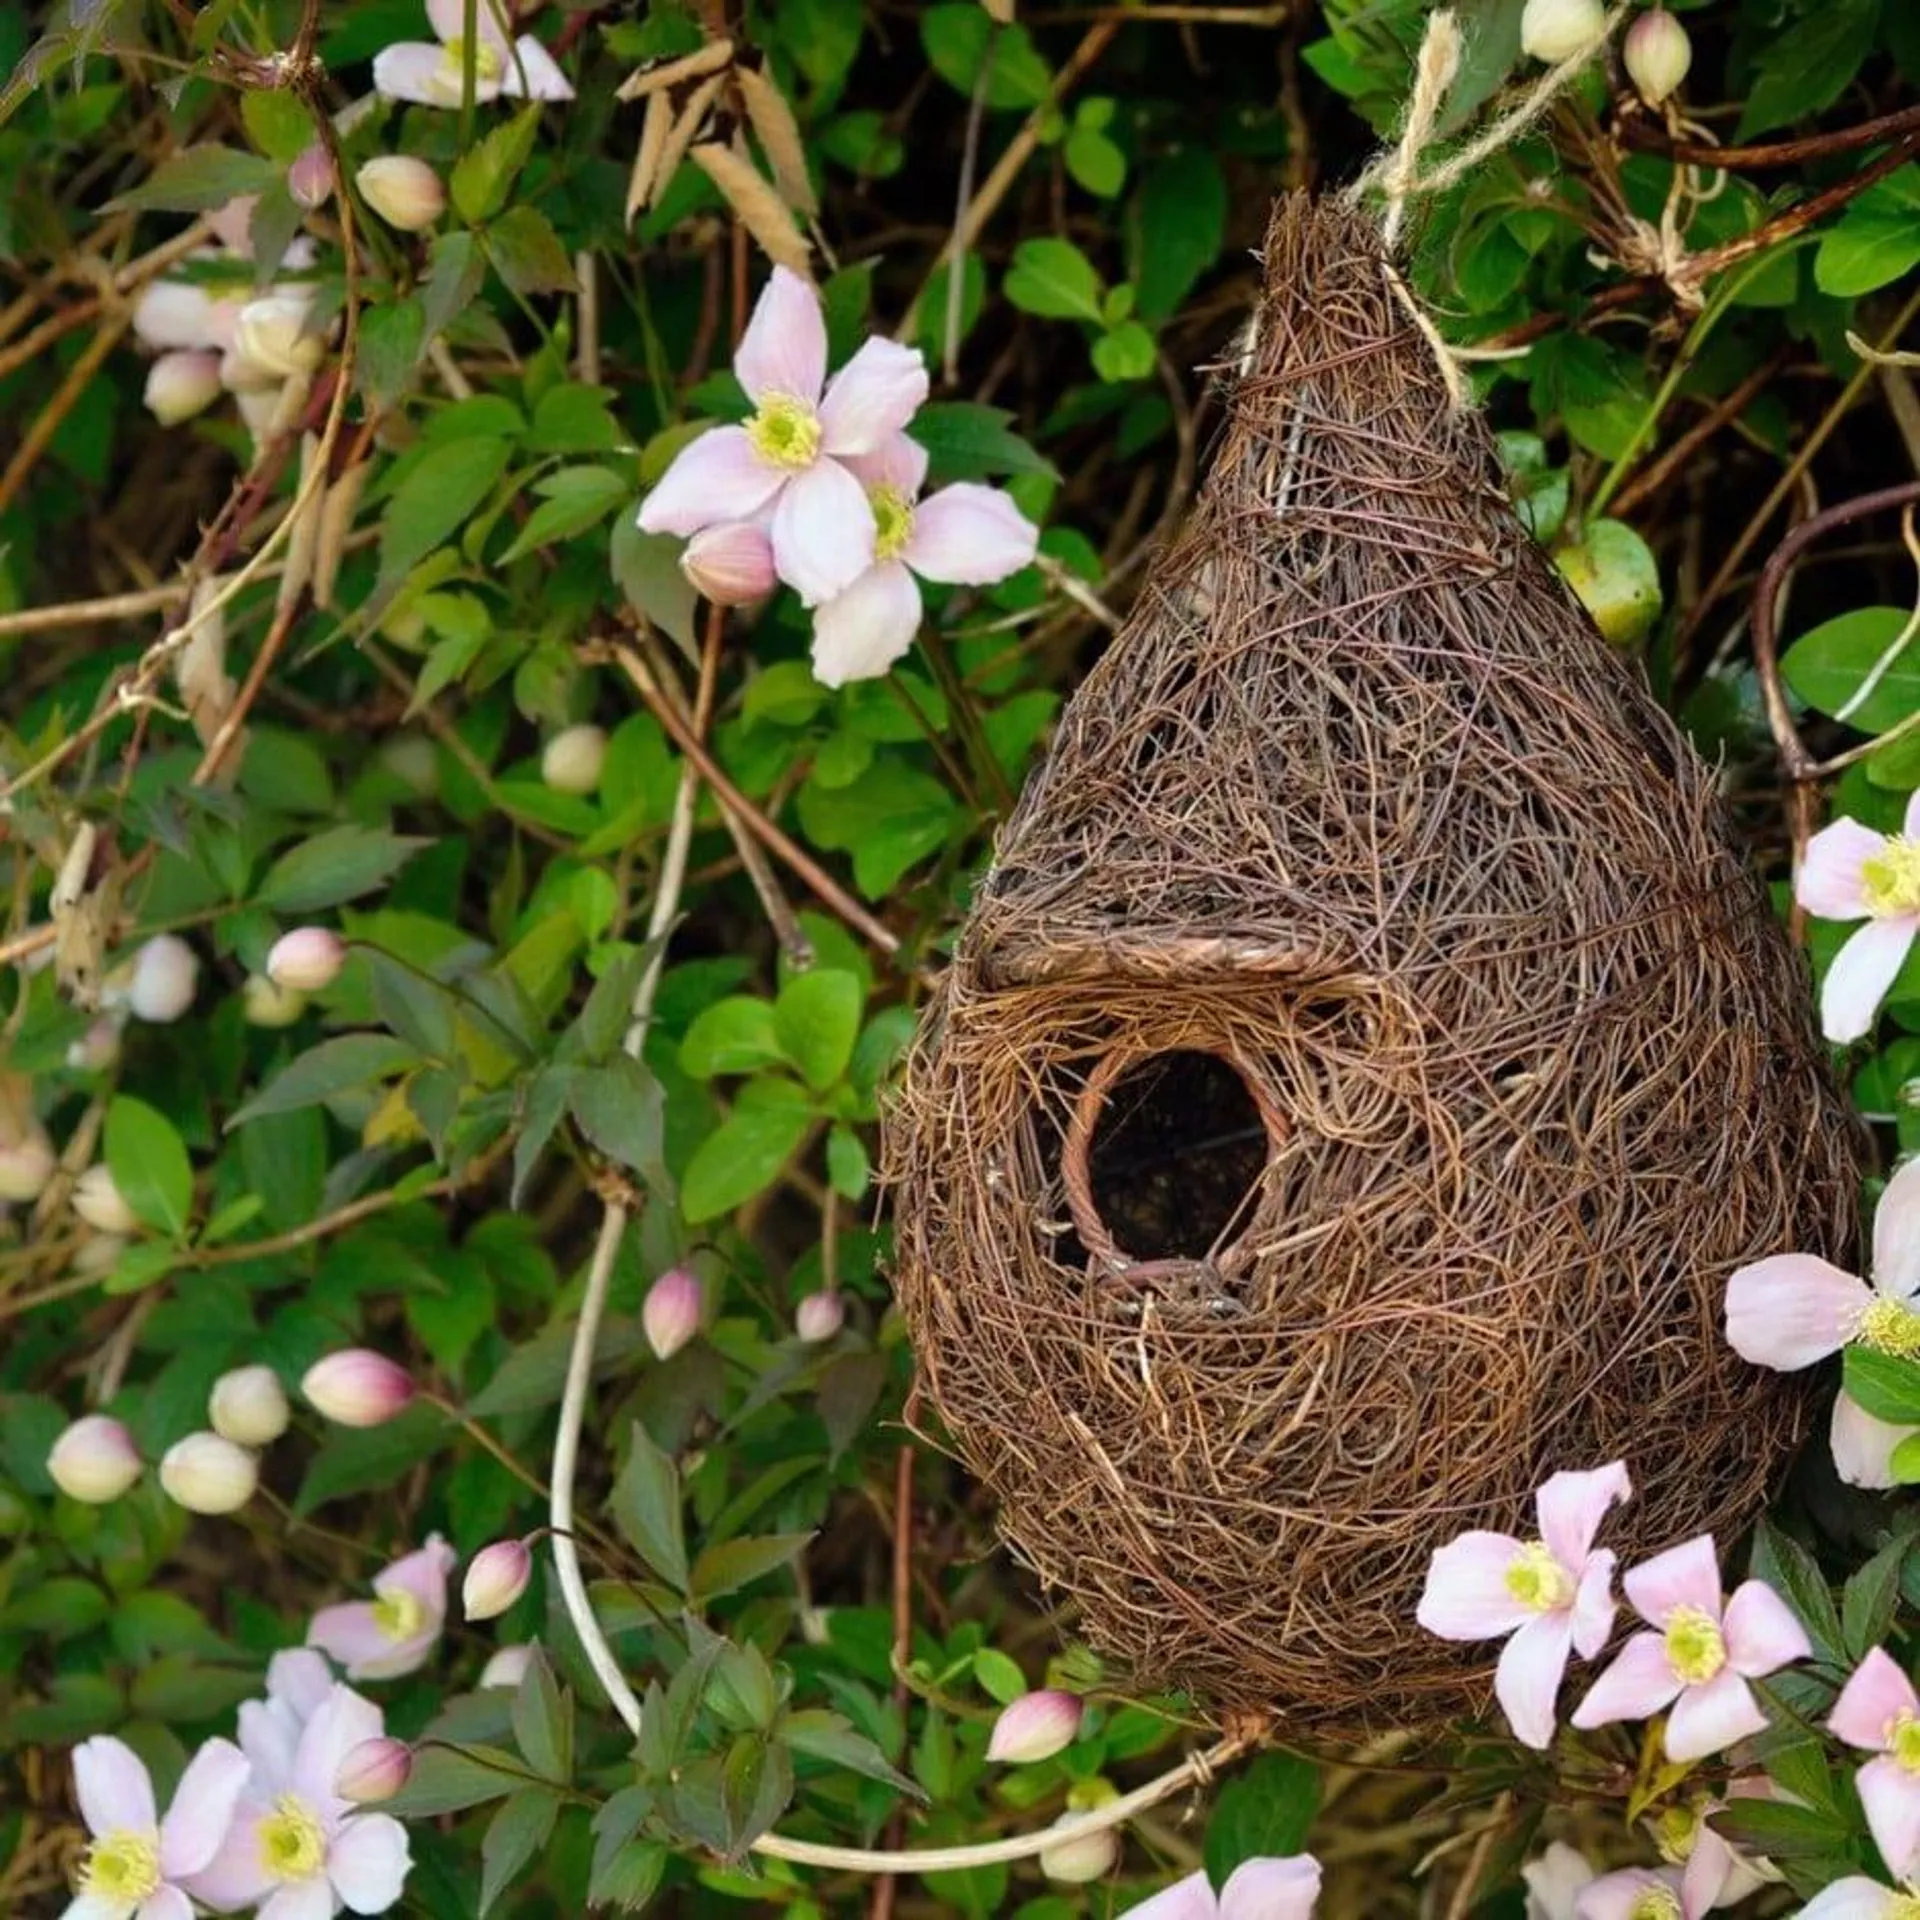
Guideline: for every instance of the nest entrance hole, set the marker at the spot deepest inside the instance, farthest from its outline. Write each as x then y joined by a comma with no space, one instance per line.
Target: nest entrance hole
1175,1144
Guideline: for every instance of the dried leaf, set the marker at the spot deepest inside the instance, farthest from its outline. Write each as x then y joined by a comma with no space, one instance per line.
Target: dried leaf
646,159
685,130
779,135
303,536
200,665
652,80
761,211
336,522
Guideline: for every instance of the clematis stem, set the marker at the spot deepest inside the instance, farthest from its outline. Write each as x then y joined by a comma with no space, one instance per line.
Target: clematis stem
469,69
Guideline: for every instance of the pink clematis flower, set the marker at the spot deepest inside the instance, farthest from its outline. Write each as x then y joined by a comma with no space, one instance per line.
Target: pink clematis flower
136,1861
1700,1656
1260,1889
1879,1712
1555,1882
965,535
299,1682
1852,873
432,73
1638,1893
1714,1873
1552,1594
1793,1309
789,464
1858,1898
296,1849
391,1634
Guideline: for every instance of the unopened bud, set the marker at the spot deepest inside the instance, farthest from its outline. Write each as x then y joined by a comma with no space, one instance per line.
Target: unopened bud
1036,1727
307,959
671,1311
272,340
25,1167
165,973
412,758
1657,55
262,1004
206,1474
1556,30
94,1460
496,1577
101,1204
732,565
820,1315
357,1387
96,1049
508,1667
1076,1862
573,758
405,193
310,178
179,385
97,1254
248,1406
374,1770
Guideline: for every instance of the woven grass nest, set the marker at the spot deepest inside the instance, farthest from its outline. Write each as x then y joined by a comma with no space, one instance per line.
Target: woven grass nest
1363,1065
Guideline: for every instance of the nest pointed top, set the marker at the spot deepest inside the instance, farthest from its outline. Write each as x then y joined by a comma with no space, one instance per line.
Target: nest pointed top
1306,1153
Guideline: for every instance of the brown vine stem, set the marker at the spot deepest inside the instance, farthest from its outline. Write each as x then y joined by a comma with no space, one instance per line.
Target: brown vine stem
1648,137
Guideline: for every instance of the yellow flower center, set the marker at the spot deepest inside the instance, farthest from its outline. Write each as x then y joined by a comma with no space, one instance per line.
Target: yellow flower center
399,1614
785,432
1696,1648
1903,1741
487,64
1891,878
892,521
122,1865
1654,1903
1676,1833
1890,1326
1537,1580
1903,1906
293,1846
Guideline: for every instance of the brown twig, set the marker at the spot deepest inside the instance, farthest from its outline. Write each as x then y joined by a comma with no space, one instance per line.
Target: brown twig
1650,137
1728,407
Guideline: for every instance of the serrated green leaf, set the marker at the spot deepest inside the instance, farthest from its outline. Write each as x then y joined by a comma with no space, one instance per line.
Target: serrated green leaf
543,1722
577,498
334,1066
737,1563
198,180
619,1107
1266,1809
484,175
1791,1571
515,1834
645,1505
527,253
436,499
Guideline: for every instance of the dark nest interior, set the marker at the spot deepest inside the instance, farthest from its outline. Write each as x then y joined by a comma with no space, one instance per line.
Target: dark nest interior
1362,1068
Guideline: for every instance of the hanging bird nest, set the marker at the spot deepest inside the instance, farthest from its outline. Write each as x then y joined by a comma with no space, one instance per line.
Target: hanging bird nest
1364,1063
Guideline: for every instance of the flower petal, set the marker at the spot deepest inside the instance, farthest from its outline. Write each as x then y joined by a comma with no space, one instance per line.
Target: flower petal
872,397
1684,1576
1272,1888
234,1877
968,535
175,316
1613,1895
1594,1606
422,1573
350,1632
301,1678
448,19
532,73
1188,1899
368,1862
202,1808
1861,972
1854,1898
269,1733
716,477
1636,1686
1891,1797
94,1906
165,1903
112,1786
1709,1718
1467,1597
342,1724
1896,1235
1710,1868
1527,1681
859,634
1762,1634
822,532
1555,1881
1830,882
300,1900
1572,1505
420,71
1792,1309
1863,1444
900,463
784,349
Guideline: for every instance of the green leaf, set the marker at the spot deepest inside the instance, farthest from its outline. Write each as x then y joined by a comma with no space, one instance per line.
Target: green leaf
1886,1384
527,253
198,180
334,1066
1126,352
357,1460
1000,1678
1876,241
1791,1571
816,1021
143,1264
149,1164
959,39
848,1169
457,267
340,864
1827,667
515,1834
446,1779
576,498
1868,1600
830,1737
435,499
1779,1830
737,1563
277,122
968,441
1178,228
1054,279
734,1035
645,1505
393,335
1807,66
742,1156
543,1723
1094,161
647,568
1265,1809
626,1871
619,1107
572,418
484,174
1614,574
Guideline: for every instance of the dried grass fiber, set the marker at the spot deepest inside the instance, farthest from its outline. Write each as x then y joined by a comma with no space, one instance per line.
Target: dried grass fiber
1363,1065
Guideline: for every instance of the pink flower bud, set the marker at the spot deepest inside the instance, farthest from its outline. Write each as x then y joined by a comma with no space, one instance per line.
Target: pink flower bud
248,1406
165,973
179,385
508,1667
405,193
357,1387
98,1048
1558,29
1657,55
94,1460
1036,1727
307,959
374,1770
262,1004
206,1474
671,1311
271,341
820,1315
731,564
573,758
310,178
25,1167
100,1203
496,1577
1076,1862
